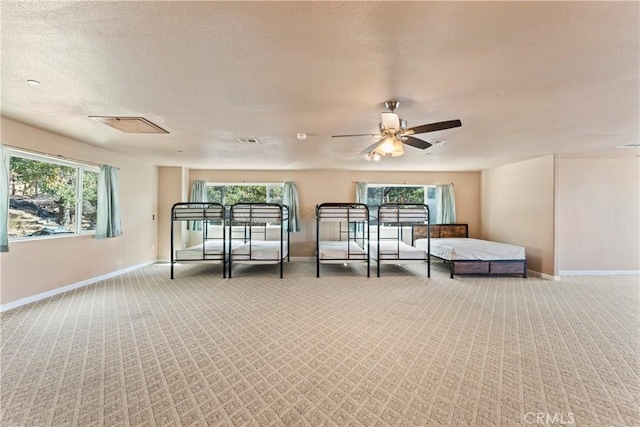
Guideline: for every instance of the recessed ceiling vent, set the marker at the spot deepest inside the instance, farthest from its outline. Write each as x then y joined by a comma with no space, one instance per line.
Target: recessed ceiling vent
248,141
130,124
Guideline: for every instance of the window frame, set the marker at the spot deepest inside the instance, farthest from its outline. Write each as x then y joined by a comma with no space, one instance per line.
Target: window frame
246,184
373,219
80,168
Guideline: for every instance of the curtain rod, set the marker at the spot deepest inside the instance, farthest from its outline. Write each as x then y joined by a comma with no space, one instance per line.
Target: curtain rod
59,156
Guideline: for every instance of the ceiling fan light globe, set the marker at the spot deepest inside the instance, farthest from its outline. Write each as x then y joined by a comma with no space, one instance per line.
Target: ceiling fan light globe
397,148
378,151
387,146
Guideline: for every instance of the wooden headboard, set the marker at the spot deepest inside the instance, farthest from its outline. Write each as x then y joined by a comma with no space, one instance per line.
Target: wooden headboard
441,231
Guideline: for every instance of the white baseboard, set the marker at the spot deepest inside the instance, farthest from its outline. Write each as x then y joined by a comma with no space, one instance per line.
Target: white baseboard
599,272
302,258
544,276
63,289
293,259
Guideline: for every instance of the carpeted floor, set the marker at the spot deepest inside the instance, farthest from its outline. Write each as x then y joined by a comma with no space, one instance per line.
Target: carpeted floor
140,349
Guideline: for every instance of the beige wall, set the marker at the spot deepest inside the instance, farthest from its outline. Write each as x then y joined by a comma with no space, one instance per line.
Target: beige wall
172,184
518,208
36,266
513,204
599,214
320,186
522,203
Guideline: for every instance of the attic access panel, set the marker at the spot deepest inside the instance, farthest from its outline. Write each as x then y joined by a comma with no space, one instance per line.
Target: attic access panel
130,124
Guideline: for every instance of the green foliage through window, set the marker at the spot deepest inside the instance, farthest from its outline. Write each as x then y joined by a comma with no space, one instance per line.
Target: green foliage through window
49,197
379,194
89,200
232,194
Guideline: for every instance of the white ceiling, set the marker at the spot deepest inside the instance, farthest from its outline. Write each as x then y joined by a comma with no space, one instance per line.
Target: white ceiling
526,79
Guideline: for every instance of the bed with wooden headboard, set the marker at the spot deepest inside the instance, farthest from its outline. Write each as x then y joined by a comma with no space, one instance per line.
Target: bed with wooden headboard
451,243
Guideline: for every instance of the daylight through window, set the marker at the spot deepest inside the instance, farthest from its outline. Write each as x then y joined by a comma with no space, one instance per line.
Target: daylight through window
229,194
378,194
50,196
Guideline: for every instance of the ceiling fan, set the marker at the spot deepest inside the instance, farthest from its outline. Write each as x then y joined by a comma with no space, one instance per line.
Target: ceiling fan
394,133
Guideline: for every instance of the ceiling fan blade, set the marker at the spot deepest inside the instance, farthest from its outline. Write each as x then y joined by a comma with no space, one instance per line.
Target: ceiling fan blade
390,120
415,142
370,148
432,127
356,134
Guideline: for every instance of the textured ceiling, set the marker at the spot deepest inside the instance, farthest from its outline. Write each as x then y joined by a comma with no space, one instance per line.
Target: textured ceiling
526,78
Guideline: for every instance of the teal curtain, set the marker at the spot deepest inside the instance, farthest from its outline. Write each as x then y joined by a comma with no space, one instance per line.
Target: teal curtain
445,204
198,195
290,198
4,203
109,222
361,197
361,192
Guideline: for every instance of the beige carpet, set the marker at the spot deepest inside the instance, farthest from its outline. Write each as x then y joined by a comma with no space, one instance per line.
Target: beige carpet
341,350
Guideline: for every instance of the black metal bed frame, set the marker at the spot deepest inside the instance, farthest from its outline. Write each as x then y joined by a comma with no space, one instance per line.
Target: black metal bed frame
207,213
351,226
402,215
259,217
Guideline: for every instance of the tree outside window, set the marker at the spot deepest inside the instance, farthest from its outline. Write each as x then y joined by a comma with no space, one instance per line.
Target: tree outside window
49,197
232,194
419,194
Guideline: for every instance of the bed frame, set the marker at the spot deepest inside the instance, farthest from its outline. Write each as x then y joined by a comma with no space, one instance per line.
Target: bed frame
475,267
208,214
249,223
395,217
352,220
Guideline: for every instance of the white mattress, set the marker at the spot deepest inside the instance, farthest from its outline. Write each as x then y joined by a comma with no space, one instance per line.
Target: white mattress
390,250
259,250
402,214
341,250
471,249
328,214
213,250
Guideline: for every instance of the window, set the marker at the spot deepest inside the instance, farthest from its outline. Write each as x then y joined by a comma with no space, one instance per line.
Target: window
229,194
49,196
379,194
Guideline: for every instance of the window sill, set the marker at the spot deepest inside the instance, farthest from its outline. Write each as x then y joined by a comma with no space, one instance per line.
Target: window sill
59,236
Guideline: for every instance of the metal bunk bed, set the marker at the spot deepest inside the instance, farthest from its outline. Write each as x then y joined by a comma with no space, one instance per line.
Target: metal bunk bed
395,232
212,248
263,231
352,243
